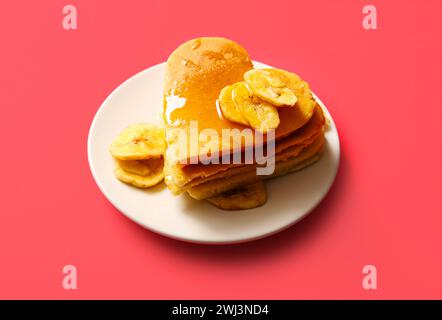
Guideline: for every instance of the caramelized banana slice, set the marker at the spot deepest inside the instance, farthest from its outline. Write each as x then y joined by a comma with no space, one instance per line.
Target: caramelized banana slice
138,142
268,86
248,197
141,167
259,114
229,108
154,176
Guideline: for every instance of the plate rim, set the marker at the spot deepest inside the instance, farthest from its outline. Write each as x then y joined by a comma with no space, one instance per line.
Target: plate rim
194,241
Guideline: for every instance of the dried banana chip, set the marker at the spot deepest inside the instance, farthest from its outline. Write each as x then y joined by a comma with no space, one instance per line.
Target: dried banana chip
153,177
268,86
259,114
247,197
229,108
138,142
141,167
301,88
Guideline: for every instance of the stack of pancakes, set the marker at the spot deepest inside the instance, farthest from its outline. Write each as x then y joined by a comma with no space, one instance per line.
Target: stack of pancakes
196,73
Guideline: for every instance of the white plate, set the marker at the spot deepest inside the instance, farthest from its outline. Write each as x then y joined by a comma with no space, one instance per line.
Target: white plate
290,198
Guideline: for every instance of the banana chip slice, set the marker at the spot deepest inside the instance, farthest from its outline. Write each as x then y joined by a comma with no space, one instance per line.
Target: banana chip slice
248,197
269,86
228,107
141,167
153,173
259,114
301,88
138,142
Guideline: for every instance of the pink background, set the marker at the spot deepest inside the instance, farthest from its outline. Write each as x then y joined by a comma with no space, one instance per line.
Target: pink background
383,88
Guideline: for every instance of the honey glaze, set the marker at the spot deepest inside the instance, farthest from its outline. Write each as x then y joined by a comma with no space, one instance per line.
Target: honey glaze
201,68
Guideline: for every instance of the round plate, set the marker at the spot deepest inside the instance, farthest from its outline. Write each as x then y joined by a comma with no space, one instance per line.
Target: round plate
290,197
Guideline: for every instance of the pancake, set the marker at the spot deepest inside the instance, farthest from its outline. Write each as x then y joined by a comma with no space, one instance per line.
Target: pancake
196,173
195,74
214,187
282,156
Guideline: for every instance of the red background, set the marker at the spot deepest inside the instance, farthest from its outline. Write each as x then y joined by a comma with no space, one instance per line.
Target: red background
382,87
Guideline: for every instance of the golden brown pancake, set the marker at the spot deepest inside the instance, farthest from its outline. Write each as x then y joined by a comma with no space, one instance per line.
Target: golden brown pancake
195,74
290,152
194,174
214,187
